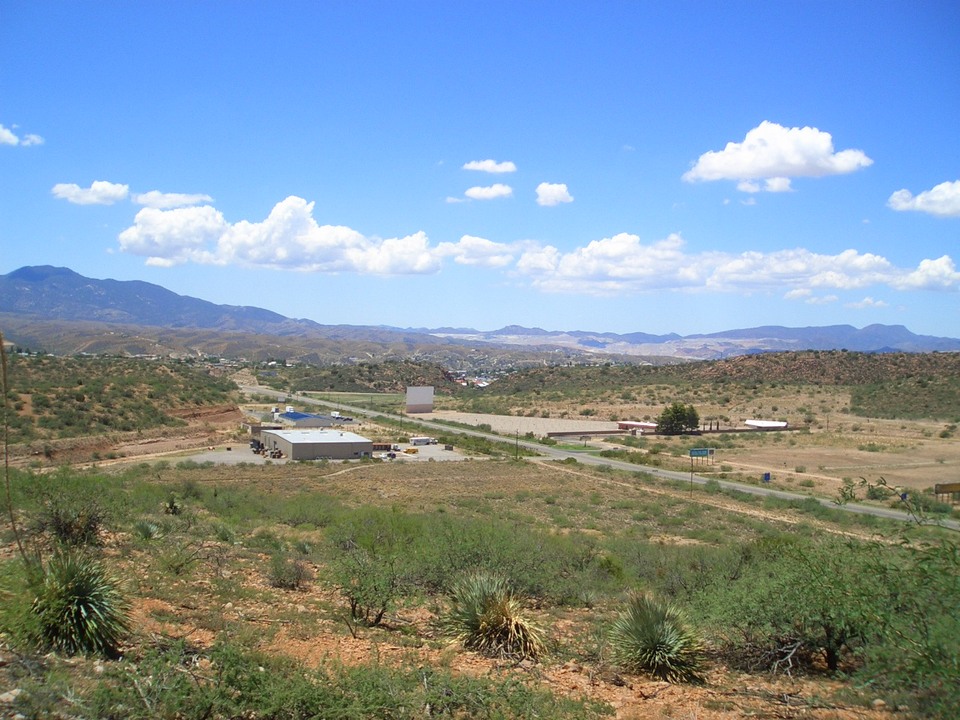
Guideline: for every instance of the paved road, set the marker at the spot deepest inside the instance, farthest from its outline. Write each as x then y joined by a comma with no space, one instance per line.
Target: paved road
588,459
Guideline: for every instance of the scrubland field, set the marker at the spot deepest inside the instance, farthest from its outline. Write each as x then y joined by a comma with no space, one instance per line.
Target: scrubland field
487,588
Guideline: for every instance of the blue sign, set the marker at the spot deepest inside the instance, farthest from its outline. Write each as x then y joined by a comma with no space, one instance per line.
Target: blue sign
699,452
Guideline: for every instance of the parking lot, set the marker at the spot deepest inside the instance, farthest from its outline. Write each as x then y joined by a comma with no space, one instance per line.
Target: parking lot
241,453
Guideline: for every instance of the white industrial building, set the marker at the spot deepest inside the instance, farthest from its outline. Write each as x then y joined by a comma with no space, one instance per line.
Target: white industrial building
317,444
420,399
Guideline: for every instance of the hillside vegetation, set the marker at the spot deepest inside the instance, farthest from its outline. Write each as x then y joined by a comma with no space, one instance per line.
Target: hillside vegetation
886,385
384,377
54,397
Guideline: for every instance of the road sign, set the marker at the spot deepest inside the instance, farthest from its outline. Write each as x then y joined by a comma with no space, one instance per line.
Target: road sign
699,452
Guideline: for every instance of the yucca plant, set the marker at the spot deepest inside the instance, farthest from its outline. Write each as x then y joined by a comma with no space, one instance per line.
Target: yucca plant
146,530
488,617
654,636
79,608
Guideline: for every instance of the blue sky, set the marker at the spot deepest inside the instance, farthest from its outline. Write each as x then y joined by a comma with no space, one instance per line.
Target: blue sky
618,166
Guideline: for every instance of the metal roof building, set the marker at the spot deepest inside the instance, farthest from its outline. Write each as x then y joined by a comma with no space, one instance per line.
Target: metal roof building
317,444
305,420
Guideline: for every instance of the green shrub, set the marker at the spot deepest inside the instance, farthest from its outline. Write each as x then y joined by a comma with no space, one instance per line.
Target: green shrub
79,607
914,658
654,636
224,534
164,683
287,573
488,617
72,520
795,599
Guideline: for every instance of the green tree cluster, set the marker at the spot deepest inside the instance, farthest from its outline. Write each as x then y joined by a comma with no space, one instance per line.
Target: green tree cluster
677,419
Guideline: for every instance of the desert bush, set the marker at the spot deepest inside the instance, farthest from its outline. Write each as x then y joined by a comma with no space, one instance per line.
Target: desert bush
371,583
654,636
371,550
793,600
224,534
488,617
164,683
72,520
287,573
79,608
915,656
303,547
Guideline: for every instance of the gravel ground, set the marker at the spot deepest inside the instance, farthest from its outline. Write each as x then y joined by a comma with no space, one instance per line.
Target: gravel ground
514,423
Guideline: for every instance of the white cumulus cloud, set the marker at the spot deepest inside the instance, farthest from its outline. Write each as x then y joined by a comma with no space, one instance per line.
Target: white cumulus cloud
478,252
939,274
775,153
806,294
9,137
166,201
491,166
777,184
550,194
289,239
867,303
489,192
942,200
622,264
173,237
612,265
100,192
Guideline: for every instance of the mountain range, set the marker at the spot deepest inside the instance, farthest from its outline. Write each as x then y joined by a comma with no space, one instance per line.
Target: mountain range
63,311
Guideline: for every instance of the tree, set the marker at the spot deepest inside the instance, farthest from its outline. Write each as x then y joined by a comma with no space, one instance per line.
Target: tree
677,418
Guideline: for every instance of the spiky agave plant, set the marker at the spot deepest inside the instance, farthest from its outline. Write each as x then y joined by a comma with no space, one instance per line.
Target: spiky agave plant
654,636
79,608
488,617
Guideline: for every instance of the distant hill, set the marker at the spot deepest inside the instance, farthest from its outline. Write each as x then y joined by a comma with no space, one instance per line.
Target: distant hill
873,338
56,293
61,310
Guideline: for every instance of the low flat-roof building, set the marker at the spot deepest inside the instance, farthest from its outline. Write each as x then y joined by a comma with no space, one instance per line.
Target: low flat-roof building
292,418
766,424
317,444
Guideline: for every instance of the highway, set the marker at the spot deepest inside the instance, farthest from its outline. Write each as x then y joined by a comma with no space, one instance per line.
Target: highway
588,459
